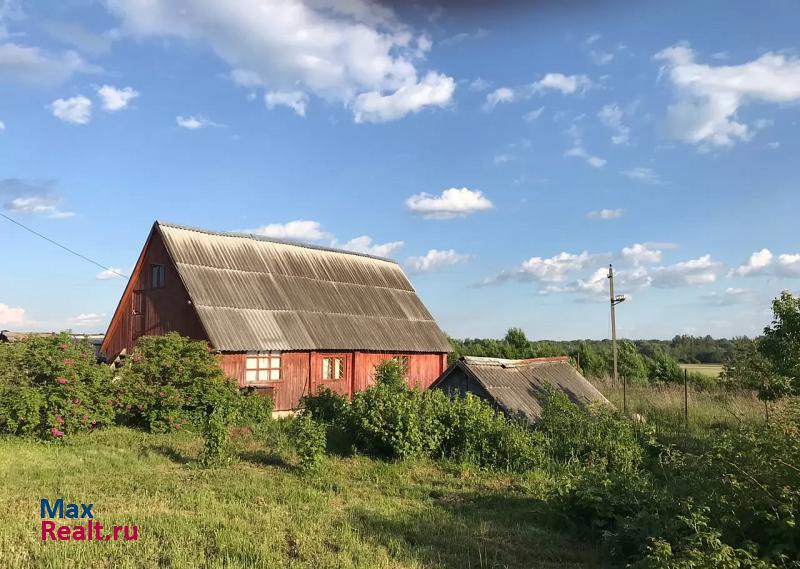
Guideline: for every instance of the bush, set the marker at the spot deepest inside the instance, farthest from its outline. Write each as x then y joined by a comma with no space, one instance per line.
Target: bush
251,408
52,386
215,437
661,367
309,441
326,406
171,382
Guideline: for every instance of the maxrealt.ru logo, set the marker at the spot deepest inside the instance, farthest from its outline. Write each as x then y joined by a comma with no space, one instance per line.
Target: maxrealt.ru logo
90,531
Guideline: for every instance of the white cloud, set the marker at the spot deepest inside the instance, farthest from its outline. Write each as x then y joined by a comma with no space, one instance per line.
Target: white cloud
115,99
110,274
789,265
611,116
76,110
606,214
364,244
639,253
756,264
299,230
356,52
194,122
451,203
87,319
26,64
295,100
565,84
578,151
728,297
708,97
500,95
643,175
700,271
2,126
436,259
531,116
33,197
10,315
455,39
551,270
435,89
478,85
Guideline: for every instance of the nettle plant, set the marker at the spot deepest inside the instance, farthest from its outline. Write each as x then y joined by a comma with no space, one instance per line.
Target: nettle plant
52,386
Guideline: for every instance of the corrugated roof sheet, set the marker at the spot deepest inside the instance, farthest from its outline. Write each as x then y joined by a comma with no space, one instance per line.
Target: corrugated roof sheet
253,293
518,386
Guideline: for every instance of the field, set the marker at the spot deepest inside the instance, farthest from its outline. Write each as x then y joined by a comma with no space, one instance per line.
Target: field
261,512
711,370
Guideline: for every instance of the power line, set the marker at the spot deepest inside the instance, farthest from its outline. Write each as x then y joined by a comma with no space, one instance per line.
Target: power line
57,244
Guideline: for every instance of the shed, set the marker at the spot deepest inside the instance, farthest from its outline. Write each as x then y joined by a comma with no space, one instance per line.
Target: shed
517,387
286,317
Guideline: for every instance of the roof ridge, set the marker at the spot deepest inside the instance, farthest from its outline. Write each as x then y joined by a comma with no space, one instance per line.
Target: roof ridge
255,237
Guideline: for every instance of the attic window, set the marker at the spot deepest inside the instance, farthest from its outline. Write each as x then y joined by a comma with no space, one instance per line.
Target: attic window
332,368
158,276
262,366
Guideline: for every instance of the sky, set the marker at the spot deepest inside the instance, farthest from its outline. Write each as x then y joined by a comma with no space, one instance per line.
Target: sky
505,156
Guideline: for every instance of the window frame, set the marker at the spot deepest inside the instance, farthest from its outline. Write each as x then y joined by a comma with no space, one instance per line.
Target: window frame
158,275
333,358
268,367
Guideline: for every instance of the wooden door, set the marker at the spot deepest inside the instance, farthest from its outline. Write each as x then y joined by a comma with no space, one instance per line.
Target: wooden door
138,314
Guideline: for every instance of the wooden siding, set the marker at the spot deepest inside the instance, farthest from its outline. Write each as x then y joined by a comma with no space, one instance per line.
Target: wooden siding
163,309
301,373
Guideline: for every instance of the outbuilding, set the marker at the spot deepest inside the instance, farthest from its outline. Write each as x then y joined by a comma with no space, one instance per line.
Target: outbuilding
285,317
517,387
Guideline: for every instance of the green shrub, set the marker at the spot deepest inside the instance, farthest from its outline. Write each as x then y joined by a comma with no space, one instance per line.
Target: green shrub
309,441
252,409
52,386
215,438
171,382
325,406
662,367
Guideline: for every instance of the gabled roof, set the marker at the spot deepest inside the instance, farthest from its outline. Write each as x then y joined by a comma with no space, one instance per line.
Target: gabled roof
253,293
518,386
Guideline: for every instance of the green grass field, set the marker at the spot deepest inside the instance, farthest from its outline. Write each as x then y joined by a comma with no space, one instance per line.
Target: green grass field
261,512
711,370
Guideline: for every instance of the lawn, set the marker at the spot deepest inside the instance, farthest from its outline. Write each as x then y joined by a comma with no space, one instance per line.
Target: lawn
711,370
261,512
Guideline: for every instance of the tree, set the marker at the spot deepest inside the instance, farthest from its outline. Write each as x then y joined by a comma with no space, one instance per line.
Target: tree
517,344
593,363
781,345
630,363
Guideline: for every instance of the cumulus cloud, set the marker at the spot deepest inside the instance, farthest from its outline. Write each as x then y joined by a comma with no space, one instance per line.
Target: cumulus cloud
708,97
728,297
298,230
10,315
500,95
700,271
364,244
548,270
86,319
640,253
194,122
451,203
643,174
612,116
357,52
606,214
28,64
789,265
565,84
32,197
75,110
115,99
295,100
436,259
756,264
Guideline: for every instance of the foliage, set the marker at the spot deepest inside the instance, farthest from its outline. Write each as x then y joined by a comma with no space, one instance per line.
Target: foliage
593,363
309,441
661,367
171,382
251,408
325,406
52,386
630,363
215,437
390,373
781,347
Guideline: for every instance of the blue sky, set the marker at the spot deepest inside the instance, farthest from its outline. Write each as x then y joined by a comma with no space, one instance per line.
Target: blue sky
505,157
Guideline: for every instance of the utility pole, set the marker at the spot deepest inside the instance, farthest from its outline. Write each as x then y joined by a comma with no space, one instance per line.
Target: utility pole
615,300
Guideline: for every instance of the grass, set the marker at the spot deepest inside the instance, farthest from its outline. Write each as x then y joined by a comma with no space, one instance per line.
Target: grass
663,407
261,512
711,370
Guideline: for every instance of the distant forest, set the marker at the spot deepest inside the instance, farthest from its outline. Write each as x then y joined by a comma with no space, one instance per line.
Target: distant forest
685,349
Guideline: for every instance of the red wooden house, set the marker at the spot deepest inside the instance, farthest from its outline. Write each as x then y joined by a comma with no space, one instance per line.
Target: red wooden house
287,317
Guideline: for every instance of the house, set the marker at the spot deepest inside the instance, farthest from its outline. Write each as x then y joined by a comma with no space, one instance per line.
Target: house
517,387
285,317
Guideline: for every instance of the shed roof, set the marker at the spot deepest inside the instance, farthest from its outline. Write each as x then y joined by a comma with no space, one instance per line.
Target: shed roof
518,386
254,293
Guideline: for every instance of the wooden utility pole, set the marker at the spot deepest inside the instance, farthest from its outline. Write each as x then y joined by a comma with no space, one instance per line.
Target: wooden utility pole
615,300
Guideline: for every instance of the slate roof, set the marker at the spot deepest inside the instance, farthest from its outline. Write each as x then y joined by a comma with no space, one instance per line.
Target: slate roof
254,293
518,386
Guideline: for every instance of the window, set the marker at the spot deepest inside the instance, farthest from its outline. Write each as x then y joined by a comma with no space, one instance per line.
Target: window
158,276
263,366
332,368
